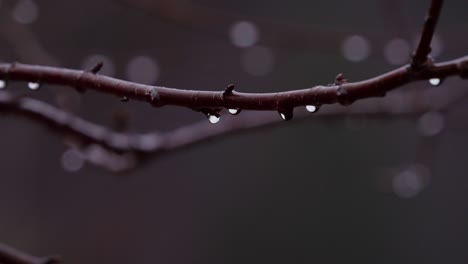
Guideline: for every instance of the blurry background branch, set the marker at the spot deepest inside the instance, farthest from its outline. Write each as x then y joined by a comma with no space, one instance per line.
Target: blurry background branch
10,255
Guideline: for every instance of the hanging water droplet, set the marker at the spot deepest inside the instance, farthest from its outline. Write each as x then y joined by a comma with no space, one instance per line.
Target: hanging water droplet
33,85
435,81
234,111
286,115
2,84
213,119
312,108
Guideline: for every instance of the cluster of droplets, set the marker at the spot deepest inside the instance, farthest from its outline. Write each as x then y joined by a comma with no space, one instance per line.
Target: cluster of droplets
31,85
288,114
215,117
285,114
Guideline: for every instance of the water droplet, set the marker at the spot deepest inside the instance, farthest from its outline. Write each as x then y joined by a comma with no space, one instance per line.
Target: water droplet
124,99
311,108
286,115
435,81
213,118
34,85
2,84
234,111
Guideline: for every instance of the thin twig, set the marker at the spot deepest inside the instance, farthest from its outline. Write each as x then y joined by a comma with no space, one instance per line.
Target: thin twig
10,255
420,56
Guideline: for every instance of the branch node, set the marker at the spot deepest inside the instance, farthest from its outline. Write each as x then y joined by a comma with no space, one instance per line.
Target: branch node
153,94
339,79
418,65
343,96
229,89
96,68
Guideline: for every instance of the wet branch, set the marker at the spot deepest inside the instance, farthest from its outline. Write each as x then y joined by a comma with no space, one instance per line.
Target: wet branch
345,93
117,151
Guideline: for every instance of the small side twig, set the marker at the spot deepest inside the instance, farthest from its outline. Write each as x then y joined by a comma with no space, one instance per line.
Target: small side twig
96,68
420,56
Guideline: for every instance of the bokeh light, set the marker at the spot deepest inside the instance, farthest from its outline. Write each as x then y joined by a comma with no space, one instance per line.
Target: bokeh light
431,123
411,181
355,48
244,34
397,51
25,11
72,160
258,60
142,69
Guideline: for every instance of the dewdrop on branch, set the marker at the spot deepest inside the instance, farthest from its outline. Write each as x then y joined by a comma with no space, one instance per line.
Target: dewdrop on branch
435,81
234,111
213,119
312,108
2,84
34,86
286,115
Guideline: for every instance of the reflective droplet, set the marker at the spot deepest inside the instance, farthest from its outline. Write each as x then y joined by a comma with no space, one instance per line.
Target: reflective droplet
2,84
234,111
213,119
33,85
311,108
435,81
286,115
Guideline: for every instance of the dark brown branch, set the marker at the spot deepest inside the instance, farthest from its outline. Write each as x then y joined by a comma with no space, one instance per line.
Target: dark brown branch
9,255
159,96
420,56
118,151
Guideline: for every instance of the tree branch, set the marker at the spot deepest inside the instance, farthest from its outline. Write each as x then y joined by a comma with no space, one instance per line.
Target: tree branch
117,151
420,56
345,93
9,255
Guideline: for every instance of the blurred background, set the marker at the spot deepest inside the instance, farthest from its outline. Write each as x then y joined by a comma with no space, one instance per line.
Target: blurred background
362,189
